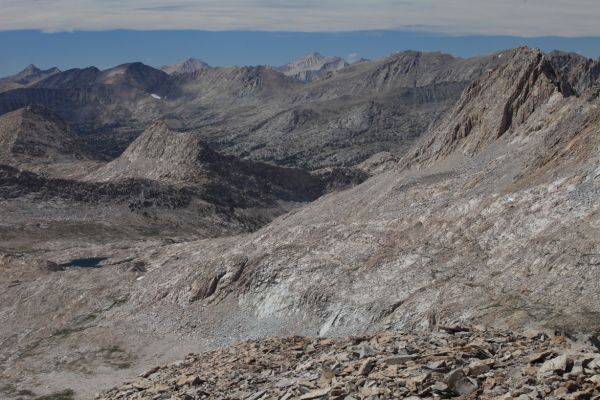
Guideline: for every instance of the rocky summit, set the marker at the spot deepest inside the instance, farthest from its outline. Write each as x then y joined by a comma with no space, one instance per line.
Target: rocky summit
313,66
185,67
417,226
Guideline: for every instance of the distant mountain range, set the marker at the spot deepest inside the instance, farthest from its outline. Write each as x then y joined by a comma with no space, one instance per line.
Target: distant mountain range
315,112
340,119
312,66
29,75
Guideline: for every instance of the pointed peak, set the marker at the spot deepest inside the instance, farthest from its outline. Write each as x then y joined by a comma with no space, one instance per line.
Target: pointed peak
192,60
527,49
186,66
31,68
313,54
169,124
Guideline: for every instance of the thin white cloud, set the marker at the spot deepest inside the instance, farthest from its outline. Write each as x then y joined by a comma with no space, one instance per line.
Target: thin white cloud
490,17
352,57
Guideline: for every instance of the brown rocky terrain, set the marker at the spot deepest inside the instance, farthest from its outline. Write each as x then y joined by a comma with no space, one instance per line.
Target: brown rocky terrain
490,218
454,362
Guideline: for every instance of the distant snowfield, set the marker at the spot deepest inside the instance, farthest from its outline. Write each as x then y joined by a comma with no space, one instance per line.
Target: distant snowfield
155,96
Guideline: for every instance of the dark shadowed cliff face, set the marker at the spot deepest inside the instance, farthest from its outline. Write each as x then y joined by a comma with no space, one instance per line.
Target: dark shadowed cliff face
34,135
576,72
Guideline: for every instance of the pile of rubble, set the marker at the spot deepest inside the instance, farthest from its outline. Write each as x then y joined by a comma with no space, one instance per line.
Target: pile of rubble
470,363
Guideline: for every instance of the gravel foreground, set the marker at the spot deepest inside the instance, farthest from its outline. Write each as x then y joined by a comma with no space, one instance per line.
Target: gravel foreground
453,362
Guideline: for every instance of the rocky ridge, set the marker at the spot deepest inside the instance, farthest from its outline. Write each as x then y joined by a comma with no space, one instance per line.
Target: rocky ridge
454,362
502,100
164,154
313,66
260,113
34,135
185,67
29,75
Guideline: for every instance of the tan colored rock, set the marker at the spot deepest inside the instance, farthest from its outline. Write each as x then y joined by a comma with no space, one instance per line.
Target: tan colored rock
397,360
189,380
149,372
538,357
480,367
315,394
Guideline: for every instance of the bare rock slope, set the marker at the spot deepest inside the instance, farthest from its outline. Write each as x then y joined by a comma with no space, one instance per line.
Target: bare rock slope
454,362
34,135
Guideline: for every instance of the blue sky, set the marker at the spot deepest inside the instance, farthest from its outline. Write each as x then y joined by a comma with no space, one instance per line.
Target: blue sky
79,33
109,48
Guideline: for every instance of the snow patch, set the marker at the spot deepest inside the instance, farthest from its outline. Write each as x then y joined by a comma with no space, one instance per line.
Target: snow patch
155,96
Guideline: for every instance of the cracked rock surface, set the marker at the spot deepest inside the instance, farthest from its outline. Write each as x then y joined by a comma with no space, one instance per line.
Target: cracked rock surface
452,362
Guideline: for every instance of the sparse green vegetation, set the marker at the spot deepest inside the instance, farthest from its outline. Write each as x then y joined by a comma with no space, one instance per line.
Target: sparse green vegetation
25,392
68,331
7,388
112,349
67,394
117,301
82,319
123,365
29,348
116,356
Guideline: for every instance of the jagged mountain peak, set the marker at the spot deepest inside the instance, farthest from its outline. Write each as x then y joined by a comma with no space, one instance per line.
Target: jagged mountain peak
312,58
31,74
312,66
186,66
163,152
167,154
134,75
31,68
499,101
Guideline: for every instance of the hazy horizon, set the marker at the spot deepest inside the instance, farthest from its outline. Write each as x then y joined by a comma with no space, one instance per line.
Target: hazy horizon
105,49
